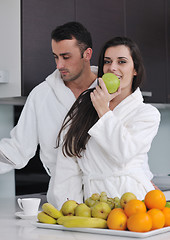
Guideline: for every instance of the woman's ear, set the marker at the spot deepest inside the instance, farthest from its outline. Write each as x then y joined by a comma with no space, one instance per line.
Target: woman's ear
87,54
135,73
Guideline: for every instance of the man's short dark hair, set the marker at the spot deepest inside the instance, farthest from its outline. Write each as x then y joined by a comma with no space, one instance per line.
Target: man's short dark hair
72,30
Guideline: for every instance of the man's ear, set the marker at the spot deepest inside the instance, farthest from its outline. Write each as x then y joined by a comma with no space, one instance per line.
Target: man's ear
87,54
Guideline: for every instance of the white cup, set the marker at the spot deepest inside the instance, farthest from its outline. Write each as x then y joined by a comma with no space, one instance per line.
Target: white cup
30,206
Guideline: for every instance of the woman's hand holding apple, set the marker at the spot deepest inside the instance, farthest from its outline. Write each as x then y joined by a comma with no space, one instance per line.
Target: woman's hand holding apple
101,98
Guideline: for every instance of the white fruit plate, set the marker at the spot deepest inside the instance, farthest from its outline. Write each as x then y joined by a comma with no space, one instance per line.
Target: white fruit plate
103,231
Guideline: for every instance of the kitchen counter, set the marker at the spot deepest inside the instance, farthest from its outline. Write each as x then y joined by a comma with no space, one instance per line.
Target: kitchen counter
14,228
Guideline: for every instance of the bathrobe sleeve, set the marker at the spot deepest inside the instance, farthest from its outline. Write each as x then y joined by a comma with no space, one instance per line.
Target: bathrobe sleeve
122,139
23,142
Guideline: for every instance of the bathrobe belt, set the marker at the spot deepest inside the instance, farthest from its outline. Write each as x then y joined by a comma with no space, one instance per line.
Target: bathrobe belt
136,174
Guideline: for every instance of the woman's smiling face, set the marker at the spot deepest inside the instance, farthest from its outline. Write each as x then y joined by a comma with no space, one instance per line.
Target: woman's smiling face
118,60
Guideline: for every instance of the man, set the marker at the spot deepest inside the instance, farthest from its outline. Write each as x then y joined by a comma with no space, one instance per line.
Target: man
48,103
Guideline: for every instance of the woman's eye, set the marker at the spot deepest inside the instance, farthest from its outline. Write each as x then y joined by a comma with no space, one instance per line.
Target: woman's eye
122,61
107,62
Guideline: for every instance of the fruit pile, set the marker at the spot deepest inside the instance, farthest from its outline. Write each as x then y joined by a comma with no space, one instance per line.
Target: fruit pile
141,216
101,211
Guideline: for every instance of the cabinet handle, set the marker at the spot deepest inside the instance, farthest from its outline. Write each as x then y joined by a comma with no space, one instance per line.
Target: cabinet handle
146,94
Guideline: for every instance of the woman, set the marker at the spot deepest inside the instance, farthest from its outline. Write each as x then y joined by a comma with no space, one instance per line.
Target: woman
108,136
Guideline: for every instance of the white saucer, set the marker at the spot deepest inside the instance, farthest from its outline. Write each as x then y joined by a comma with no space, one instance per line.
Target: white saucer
27,217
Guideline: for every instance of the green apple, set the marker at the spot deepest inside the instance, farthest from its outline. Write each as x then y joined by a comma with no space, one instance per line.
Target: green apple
111,81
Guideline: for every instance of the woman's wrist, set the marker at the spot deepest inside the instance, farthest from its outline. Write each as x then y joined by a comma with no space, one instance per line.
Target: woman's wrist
102,112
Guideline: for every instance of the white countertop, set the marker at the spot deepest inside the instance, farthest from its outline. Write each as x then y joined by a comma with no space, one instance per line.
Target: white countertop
13,228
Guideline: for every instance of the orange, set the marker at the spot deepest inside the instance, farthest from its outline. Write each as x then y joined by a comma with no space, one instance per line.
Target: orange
134,206
117,219
139,222
166,212
155,199
158,218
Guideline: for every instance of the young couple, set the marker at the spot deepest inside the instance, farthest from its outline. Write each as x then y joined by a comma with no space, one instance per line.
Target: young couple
103,143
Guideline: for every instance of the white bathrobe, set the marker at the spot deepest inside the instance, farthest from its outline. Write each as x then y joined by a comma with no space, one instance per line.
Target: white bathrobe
39,123
115,159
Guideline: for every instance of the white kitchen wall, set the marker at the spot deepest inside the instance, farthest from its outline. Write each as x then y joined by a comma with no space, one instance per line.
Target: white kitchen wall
159,155
10,52
7,181
10,64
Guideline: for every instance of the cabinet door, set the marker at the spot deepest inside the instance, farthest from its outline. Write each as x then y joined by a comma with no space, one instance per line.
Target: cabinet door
39,18
145,24
104,20
168,49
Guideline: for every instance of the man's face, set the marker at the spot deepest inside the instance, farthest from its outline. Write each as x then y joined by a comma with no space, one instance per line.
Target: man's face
68,59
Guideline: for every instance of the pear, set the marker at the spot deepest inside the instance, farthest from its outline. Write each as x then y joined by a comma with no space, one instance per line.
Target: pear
126,197
101,210
68,207
83,210
95,196
90,202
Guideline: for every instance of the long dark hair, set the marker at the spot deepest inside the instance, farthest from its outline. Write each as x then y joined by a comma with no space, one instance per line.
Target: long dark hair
82,115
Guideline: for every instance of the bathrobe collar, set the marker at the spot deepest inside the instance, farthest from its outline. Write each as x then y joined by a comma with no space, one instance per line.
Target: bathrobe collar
129,104
63,93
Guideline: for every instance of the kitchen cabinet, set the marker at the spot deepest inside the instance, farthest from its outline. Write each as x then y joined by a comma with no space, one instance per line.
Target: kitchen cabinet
143,21
104,20
38,19
145,24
